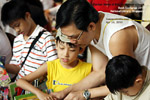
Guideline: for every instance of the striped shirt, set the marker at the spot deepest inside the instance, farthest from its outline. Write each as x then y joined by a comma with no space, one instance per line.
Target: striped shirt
44,50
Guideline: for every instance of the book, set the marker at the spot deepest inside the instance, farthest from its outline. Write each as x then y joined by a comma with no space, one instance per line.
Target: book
15,90
17,93
12,90
26,97
31,96
4,77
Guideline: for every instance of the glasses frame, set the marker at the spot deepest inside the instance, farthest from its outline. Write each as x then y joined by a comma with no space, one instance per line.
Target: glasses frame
65,36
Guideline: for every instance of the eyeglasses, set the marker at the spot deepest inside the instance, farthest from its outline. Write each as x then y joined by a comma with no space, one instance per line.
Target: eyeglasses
71,37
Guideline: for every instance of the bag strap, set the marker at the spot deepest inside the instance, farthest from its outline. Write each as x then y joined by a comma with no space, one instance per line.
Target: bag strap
33,43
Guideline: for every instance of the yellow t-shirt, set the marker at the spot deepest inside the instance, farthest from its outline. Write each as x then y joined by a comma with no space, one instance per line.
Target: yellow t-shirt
59,78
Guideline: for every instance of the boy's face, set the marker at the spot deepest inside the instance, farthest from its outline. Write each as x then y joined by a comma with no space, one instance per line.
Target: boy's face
133,90
67,54
22,26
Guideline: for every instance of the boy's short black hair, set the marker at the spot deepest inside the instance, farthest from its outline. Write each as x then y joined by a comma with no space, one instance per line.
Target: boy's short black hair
13,10
35,8
79,12
121,72
70,44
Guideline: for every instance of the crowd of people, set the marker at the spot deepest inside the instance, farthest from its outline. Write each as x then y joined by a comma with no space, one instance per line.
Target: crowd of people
119,46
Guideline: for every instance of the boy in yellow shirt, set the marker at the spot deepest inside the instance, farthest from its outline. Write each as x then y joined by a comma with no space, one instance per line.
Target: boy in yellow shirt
61,73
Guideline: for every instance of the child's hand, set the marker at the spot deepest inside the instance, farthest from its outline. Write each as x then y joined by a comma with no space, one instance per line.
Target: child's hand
44,96
59,95
75,96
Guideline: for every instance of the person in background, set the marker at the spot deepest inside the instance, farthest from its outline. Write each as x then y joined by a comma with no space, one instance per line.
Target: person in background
62,72
5,46
47,4
52,11
50,14
127,79
44,49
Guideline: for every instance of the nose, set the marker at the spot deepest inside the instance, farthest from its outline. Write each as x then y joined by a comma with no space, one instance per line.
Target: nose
66,53
17,29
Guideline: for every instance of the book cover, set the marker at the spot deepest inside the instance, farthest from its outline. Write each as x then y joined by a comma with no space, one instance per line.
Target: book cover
4,77
26,97
30,96
15,90
12,91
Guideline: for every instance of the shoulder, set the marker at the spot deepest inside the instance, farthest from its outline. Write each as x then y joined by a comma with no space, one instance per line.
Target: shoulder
46,37
114,22
124,34
47,34
52,64
124,42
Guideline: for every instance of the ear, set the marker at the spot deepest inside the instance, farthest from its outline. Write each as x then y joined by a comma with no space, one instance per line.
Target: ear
27,15
139,80
92,26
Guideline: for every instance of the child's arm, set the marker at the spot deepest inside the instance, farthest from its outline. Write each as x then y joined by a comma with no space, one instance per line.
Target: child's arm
25,82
